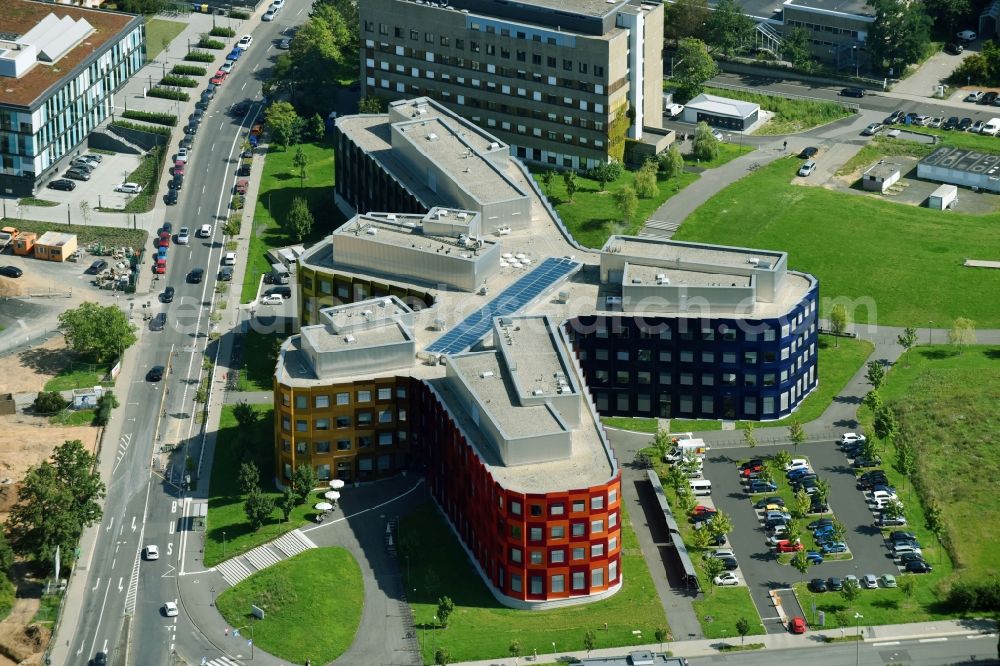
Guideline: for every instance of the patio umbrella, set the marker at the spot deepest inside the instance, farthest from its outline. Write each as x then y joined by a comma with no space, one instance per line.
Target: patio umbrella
337,484
323,506
332,495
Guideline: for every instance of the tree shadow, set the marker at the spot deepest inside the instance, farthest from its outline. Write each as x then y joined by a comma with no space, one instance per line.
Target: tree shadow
886,604
937,354
46,361
993,353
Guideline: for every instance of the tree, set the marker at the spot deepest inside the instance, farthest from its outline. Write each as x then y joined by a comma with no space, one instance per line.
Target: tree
316,127
49,402
722,524
748,437
907,338
6,555
442,657
803,502
660,635
627,203
245,414
105,404
248,478
684,18
569,180
706,146
875,374
589,641
782,459
795,48
675,477
962,333
713,566
661,442
693,66
906,459
839,531
97,331
873,401
701,539
57,500
287,503
258,508
685,498
606,173
947,12
908,584
894,509
823,490
742,628
85,211
283,122
645,180
303,481
299,221
838,322
371,105
672,162
514,649
548,177
728,28
885,424
445,608
318,48
301,162
800,562
796,432
933,517
899,34
850,590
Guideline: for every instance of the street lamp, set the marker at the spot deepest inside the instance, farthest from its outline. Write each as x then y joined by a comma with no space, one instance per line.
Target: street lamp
856,64
223,544
857,619
930,332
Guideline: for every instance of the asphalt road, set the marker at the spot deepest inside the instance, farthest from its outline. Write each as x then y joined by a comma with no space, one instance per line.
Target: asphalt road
145,504
757,564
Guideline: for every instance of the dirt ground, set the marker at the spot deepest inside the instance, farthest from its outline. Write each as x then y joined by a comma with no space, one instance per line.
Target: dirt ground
18,646
28,370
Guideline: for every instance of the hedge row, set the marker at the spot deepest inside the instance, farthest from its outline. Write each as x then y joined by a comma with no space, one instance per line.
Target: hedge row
199,56
237,14
151,117
178,81
219,31
141,128
208,43
188,70
167,93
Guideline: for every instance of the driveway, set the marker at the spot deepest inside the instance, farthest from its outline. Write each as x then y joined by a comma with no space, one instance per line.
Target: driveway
98,191
758,564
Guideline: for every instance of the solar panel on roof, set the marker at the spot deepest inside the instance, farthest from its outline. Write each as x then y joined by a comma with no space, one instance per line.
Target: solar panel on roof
474,327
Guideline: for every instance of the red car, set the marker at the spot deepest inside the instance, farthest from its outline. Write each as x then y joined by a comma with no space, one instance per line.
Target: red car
797,625
179,168
702,509
164,239
161,266
786,546
219,77
747,471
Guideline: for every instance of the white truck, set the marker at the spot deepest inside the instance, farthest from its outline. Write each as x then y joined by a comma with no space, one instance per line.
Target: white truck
685,446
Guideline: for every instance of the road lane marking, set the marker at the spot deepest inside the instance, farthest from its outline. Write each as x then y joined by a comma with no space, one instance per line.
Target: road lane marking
96,585
100,617
932,640
133,523
885,644
108,528
121,583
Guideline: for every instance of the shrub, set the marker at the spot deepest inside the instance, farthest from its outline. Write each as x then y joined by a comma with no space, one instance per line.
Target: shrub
199,56
49,402
142,128
188,70
207,42
179,81
238,14
968,596
219,31
151,117
167,93
105,404
233,225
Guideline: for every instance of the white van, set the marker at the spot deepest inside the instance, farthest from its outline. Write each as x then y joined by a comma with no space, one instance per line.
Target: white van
701,486
991,127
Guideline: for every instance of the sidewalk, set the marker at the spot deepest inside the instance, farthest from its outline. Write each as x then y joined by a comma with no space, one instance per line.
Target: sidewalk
783,641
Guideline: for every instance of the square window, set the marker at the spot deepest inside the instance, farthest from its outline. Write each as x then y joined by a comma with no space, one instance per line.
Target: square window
535,534
579,554
536,509
385,416
750,358
666,356
612,543
687,357
557,532
322,424
596,503
579,580
385,439
364,419
578,506
708,357
515,583
612,495
601,354
707,404
623,376
343,421
343,445
364,396
301,402
323,447
621,354
612,520
558,583
579,529
385,394
322,401
302,447
597,550
597,577
536,557
301,425
708,379
596,526
343,398
557,509
364,442
612,571
515,507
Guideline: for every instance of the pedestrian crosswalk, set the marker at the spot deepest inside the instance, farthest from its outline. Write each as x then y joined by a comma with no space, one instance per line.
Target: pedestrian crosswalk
220,661
659,228
237,568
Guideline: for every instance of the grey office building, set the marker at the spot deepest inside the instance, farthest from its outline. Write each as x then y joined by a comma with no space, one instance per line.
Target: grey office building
562,82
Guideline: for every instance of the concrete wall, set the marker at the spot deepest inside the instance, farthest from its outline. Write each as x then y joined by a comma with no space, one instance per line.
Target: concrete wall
358,360
957,177
675,298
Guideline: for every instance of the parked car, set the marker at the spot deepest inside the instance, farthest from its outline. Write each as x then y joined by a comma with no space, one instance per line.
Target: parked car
835,547
730,563
728,578
884,520
873,129
62,184
786,546
776,520
763,486
155,373
953,48
834,584
767,501
935,123
898,535
851,437
818,585
966,36
964,124
853,92
170,198
275,299
269,14
887,580
906,558
77,174
673,110
977,127
895,117
129,188
219,77
869,582
918,566
97,267
161,266
168,295
989,98
11,271
245,42
951,123
797,625
862,463
226,273
812,557
974,96
784,515
808,153
820,522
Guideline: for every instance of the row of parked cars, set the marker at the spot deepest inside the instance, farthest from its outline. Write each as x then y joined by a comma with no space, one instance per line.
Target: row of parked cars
79,169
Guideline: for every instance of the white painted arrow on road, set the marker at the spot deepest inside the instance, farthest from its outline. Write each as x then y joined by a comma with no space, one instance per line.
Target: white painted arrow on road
121,585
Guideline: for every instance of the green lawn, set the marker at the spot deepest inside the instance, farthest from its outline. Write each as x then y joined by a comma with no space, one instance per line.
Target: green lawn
225,503
881,147
894,265
159,33
947,410
279,185
593,216
73,417
259,357
79,374
312,606
48,609
836,367
790,115
7,595
481,628
85,235
727,152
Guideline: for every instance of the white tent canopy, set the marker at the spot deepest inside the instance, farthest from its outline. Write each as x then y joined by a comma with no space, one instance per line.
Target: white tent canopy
332,495
323,506
336,484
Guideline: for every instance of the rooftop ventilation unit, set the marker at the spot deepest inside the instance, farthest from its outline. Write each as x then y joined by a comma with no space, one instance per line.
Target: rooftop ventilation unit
494,145
371,231
662,280
349,339
485,374
410,225
753,261
764,264
432,137
366,313
462,216
661,276
391,217
538,391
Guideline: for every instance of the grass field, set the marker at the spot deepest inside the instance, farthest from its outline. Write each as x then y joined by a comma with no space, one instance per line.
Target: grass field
893,265
947,404
592,216
881,147
312,606
727,152
279,185
259,357
73,417
790,115
159,33
79,374
228,531
480,628
85,235
836,367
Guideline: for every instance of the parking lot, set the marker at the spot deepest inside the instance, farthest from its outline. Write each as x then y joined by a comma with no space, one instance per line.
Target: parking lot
758,564
100,189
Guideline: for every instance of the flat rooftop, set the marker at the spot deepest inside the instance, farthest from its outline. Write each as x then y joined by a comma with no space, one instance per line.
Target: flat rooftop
882,169
689,252
528,345
324,340
649,274
18,17
396,232
54,237
960,159
381,308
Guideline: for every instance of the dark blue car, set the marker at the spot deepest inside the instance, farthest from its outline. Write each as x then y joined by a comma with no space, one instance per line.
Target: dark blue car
235,54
